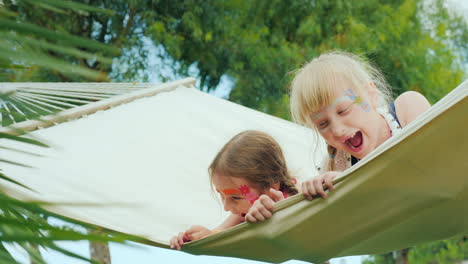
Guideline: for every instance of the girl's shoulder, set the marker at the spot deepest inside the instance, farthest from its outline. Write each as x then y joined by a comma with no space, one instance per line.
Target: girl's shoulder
410,105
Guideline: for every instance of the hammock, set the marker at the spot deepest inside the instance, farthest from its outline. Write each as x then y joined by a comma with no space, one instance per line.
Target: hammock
412,189
140,168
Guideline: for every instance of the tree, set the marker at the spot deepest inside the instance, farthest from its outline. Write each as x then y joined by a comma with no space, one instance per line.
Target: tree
56,31
444,252
257,43
419,45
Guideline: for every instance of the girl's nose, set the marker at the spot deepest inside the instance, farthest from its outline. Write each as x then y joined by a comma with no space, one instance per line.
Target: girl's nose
338,130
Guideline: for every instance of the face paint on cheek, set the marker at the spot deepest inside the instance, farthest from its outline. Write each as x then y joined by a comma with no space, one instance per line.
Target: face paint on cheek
251,196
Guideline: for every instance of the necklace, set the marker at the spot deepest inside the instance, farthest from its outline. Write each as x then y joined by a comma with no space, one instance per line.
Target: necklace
393,125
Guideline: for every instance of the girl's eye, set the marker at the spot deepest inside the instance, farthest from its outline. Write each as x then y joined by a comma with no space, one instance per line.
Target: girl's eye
236,198
344,110
323,124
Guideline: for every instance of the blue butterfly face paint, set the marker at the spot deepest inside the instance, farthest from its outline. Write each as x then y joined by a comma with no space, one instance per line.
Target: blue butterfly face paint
357,100
348,95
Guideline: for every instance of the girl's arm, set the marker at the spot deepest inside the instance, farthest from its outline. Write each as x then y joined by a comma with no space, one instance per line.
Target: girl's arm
410,105
198,232
231,221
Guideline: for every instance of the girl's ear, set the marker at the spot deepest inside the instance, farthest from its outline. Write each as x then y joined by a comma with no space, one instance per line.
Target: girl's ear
374,95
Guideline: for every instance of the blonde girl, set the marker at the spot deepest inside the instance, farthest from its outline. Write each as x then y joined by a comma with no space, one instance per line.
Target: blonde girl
250,175
347,102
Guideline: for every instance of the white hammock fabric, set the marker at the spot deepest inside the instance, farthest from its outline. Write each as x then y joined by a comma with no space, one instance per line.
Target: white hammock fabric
141,168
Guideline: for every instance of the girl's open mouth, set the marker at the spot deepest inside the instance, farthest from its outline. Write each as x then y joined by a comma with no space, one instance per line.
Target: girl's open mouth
355,142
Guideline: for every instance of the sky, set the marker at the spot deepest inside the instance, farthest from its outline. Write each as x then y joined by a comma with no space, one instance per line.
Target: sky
141,254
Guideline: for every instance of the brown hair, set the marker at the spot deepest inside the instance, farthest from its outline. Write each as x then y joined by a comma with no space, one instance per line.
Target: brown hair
254,156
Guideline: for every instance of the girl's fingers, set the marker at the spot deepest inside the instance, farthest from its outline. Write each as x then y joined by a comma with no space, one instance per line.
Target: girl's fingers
265,212
193,233
258,216
250,218
308,190
267,202
305,191
180,239
173,242
313,187
329,182
319,187
254,214
277,195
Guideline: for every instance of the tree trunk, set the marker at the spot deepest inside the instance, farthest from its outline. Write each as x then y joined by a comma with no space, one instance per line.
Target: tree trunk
401,256
99,250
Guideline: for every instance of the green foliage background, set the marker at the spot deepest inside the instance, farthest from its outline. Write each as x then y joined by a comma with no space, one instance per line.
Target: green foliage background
419,45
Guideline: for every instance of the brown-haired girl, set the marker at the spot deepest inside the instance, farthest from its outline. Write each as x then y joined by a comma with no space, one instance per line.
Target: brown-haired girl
250,175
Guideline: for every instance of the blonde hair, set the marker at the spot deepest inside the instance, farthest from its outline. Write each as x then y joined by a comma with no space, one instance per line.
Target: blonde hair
313,86
254,156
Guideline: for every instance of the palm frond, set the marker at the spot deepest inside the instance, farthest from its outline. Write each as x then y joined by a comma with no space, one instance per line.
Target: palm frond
23,46
70,5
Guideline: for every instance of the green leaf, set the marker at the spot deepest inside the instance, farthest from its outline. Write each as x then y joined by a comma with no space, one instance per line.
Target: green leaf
22,139
62,37
8,179
50,62
74,6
